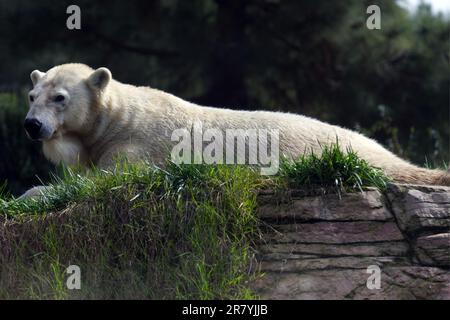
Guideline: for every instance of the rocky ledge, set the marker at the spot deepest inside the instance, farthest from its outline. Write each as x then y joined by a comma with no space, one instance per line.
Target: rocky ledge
365,245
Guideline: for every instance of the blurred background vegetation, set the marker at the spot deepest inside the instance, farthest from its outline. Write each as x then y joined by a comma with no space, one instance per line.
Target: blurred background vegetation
311,57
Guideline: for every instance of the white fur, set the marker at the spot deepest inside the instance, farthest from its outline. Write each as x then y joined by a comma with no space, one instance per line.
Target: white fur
104,118
66,149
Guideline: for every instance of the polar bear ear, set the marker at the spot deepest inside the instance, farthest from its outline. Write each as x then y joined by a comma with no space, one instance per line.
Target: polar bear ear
36,75
100,78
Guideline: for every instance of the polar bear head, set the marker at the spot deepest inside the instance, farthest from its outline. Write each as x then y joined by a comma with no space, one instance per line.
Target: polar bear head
62,100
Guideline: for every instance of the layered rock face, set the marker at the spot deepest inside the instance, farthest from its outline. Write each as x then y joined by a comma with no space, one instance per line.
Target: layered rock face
364,245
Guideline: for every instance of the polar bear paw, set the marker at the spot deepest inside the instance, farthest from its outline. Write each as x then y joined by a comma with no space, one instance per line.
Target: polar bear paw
34,192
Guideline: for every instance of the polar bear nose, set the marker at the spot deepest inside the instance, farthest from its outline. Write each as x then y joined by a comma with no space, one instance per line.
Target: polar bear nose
33,127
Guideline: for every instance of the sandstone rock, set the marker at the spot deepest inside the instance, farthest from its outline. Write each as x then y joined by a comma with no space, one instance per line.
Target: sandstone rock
418,208
301,264
368,205
319,247
390,248
336,232
433,250
396,283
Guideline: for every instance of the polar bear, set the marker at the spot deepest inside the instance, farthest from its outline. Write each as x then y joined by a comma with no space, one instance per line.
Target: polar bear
84,116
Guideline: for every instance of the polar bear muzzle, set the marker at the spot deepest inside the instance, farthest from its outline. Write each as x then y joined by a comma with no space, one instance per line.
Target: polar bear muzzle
36,130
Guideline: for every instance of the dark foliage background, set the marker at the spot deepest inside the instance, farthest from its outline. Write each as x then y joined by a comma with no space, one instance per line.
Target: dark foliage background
311,57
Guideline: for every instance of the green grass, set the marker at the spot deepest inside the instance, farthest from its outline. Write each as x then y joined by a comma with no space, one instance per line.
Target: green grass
135,232
332,171
437,165
141,232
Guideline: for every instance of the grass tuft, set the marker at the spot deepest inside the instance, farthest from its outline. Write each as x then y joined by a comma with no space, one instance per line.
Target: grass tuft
333,171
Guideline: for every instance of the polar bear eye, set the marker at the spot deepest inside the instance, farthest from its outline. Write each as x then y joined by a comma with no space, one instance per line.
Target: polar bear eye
31,97
59,98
